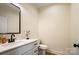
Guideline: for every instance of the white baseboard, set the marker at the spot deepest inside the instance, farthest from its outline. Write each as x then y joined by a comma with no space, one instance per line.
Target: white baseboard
56,52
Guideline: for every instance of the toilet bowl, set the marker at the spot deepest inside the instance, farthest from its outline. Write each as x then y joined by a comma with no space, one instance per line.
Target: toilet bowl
43,48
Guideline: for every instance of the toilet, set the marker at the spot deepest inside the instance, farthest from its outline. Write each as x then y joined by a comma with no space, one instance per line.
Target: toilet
43,48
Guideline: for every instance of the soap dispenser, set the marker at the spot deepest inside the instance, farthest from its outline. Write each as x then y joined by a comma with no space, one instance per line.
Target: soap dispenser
27,34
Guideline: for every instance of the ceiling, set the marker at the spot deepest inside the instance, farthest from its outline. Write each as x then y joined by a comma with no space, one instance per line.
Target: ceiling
38,5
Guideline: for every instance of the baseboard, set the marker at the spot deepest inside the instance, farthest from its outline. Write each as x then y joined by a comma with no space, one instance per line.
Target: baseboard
48,52
53,52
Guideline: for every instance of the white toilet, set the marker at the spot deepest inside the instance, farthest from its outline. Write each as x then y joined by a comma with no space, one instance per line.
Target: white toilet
43,48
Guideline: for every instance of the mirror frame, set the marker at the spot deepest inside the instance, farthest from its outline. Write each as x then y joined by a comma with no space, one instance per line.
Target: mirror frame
19,22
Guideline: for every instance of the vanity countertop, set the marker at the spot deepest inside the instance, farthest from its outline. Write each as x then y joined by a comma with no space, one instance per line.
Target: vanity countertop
17,43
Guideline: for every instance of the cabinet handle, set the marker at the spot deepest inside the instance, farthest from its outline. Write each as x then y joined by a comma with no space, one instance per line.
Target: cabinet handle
35,44
35,51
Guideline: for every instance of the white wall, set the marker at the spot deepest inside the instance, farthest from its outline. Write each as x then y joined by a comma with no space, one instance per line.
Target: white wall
54,26
29,21
74,25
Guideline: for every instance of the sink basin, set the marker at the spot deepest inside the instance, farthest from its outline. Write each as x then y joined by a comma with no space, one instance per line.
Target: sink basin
13,43
17,43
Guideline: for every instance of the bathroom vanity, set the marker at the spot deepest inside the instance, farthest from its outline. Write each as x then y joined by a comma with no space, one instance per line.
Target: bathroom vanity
20,47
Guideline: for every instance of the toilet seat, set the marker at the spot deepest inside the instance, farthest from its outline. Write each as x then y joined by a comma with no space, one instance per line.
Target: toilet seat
43,47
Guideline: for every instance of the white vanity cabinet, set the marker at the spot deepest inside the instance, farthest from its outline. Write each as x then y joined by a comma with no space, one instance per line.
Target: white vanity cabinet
27,49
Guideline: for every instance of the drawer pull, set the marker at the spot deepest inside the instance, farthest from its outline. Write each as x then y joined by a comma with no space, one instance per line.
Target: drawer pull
35,44
35,51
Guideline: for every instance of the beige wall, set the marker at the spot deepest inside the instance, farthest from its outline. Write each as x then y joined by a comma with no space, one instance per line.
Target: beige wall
74,25
54,26
58,24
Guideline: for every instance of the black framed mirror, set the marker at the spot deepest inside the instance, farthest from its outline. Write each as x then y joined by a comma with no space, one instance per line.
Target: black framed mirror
10,19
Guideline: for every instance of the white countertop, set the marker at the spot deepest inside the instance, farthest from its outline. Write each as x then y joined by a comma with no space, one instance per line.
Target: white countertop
17,43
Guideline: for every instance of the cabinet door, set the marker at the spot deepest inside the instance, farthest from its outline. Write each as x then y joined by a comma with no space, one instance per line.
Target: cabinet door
28,53
19,50
35,51
10,52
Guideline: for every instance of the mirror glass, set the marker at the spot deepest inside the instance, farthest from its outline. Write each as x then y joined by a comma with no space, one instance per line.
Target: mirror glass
9,18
